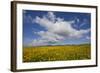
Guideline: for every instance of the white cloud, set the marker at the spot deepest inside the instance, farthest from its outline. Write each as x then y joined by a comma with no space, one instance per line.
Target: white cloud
39,42
49,36
83,23
57,29
77,20
28,18
88,37
51,16
44,22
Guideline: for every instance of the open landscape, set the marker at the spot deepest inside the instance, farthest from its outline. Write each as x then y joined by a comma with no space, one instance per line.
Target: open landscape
56,36
57,53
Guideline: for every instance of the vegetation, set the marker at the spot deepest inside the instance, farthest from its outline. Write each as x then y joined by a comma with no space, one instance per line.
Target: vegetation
56,53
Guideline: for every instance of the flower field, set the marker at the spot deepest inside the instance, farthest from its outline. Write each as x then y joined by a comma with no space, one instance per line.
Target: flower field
57,53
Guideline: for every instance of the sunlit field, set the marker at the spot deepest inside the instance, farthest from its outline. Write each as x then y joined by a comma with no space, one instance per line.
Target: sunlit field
56,53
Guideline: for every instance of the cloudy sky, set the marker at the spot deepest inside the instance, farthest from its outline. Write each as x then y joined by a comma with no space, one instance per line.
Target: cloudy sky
55,28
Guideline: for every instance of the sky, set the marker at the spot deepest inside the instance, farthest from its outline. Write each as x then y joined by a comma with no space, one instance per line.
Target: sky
42,28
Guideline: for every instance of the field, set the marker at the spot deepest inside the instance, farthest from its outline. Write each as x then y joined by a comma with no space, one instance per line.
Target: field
56,53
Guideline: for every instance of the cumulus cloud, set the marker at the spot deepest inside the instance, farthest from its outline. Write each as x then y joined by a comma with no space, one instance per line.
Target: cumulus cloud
57,29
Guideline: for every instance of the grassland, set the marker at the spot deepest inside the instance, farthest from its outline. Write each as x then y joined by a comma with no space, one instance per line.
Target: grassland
56,53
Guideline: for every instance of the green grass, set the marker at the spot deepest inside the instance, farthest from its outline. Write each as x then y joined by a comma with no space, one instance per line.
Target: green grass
56,53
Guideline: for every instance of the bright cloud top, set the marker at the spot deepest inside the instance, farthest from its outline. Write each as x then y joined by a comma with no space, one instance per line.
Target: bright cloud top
56,30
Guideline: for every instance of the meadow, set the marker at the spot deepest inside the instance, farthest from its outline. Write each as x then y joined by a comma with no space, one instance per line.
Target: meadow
56,53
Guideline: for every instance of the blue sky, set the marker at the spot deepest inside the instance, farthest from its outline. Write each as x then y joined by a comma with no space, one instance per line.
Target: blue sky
55,28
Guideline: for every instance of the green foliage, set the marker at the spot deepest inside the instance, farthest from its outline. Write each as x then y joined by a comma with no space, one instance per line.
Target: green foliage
56,53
